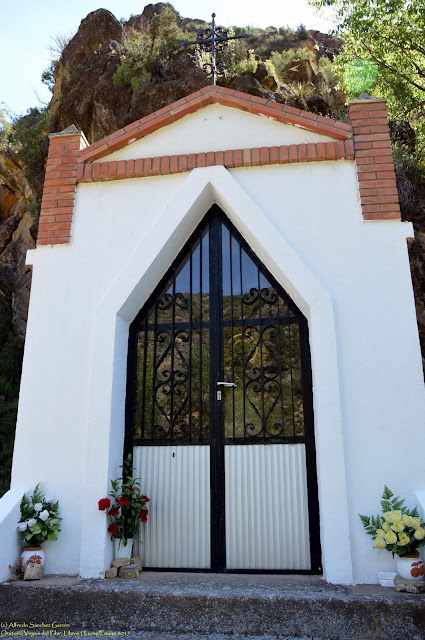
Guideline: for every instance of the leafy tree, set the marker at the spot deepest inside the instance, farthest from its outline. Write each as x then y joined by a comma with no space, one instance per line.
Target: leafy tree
5,125
48,75
390,33
301,32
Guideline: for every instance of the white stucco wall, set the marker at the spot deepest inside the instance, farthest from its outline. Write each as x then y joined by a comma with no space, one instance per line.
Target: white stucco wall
351,279
216,128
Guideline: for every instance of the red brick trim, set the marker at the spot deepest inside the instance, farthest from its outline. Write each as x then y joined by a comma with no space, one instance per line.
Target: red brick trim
366,138
210,95
57,204
166,165
374,160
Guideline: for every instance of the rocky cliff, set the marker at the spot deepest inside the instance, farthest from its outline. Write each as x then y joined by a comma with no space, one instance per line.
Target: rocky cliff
85,94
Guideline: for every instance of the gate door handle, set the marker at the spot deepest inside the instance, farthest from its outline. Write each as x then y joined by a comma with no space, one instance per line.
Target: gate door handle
226,384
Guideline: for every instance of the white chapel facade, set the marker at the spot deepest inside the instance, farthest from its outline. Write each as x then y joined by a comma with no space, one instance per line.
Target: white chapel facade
223,289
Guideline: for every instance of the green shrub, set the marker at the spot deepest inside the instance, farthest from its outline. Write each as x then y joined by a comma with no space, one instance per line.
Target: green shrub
281,60
268,45
329,72
144,55
28,138
8,413
301,32
286,31
11,353
297,94
5,125
237,58
47,77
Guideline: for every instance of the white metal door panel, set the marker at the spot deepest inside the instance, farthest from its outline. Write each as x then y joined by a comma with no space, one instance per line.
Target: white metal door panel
177,480
267,525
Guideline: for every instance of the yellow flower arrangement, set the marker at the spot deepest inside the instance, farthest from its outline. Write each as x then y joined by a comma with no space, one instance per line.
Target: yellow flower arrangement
380,543
396,519
419,534
403,539
391,537
397,526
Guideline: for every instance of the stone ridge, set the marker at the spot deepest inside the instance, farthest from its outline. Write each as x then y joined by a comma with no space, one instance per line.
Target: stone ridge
210,95
231,158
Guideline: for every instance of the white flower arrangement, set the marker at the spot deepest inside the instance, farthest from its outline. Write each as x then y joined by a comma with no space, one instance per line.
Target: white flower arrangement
39,518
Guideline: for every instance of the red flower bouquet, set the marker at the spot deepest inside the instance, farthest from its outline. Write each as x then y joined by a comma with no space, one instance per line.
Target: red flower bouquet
128,506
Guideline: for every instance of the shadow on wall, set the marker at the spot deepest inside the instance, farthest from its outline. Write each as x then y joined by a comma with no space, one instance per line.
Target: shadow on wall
11,352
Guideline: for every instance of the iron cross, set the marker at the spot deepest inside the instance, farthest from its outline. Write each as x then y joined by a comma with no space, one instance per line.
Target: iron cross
214,40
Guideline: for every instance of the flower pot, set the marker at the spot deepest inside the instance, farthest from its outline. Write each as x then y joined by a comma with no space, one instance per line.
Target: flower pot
410,567
121,550
32,554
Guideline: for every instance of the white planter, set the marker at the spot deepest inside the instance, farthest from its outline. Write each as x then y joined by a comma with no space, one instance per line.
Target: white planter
386,578
411,568
121,550
33,554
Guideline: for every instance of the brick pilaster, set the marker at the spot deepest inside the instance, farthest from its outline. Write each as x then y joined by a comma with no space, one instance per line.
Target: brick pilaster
374,160
57,204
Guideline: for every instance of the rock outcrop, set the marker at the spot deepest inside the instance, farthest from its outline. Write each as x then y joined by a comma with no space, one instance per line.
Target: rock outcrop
17,231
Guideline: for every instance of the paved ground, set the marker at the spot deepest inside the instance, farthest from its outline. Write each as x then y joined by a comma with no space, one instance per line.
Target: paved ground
194,606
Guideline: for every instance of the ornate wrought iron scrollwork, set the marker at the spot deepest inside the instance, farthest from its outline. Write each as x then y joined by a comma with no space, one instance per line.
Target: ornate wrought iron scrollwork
263,387
259,331
167,300
250,297
213,41
171,385
269,296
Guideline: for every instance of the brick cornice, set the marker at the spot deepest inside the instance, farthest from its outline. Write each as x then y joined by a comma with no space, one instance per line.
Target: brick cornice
365,139
211,95
231,158
57,204
374,159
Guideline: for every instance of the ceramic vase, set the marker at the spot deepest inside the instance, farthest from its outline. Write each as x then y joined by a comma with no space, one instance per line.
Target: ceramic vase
33,554
411,567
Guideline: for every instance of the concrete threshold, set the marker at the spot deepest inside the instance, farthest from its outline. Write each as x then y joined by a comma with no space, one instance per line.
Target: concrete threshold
198,606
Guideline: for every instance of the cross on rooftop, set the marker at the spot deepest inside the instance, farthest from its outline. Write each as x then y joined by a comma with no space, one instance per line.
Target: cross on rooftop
214,40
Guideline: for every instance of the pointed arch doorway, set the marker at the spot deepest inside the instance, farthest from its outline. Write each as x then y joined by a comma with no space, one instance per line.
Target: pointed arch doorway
219,414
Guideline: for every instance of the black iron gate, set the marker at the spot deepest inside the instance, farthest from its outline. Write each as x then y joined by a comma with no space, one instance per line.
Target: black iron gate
219,355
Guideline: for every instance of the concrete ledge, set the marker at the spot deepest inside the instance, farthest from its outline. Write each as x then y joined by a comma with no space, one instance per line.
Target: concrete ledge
207,604
10,514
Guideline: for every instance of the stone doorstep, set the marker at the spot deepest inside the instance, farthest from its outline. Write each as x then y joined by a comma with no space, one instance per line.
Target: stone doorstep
204,605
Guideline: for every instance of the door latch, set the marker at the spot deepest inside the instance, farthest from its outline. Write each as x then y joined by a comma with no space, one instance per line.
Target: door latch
224,384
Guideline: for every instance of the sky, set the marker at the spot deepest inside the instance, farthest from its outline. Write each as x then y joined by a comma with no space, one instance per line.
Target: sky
28,27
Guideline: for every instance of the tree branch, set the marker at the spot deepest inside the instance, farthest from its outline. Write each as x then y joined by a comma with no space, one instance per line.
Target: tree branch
392,69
